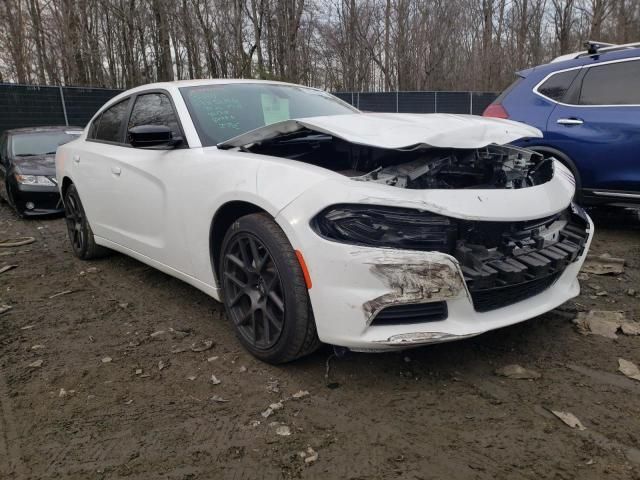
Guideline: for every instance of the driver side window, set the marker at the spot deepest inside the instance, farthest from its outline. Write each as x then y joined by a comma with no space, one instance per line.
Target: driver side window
154,109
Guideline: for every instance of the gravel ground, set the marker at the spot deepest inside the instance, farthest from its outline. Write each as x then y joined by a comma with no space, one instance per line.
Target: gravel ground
119,392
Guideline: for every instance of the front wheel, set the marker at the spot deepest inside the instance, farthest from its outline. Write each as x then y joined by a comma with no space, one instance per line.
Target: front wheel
80,233
264,291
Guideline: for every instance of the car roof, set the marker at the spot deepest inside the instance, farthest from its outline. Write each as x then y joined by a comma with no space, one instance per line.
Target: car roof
205,81
42,129
580,59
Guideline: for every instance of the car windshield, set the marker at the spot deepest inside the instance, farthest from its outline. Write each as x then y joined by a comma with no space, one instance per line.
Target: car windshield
221,112
41,143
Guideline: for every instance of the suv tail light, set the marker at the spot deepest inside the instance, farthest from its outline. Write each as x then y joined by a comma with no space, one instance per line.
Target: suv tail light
495,110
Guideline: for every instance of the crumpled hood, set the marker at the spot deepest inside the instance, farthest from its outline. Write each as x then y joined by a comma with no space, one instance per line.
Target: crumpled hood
399,130
36,164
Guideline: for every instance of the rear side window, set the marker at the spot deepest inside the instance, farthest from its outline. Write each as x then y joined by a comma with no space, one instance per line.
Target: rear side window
612,84
557,85
110,123
154,109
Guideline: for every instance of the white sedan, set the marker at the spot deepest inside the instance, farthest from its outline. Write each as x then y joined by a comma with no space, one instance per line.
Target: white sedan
314,222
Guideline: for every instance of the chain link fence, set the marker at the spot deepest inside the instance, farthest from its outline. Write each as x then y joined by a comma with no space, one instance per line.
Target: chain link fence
37,105
420,102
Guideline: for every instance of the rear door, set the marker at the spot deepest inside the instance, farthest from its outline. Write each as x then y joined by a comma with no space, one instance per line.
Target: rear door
598,126
92,168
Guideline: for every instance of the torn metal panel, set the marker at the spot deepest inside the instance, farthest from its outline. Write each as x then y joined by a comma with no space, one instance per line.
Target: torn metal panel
412,281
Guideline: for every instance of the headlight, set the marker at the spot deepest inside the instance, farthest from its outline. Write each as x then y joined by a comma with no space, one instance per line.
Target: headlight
34,180
376,226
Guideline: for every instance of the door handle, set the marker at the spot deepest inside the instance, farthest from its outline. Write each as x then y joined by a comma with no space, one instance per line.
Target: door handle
569,121
116,171
76,158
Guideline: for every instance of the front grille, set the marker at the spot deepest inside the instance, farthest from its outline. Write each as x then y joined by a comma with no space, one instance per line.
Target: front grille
411,313
512,263
492,298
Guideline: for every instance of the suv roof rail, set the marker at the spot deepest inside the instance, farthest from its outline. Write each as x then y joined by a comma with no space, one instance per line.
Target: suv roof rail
595,48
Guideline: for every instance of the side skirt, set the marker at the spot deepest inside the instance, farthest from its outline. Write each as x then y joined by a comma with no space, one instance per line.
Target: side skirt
200,285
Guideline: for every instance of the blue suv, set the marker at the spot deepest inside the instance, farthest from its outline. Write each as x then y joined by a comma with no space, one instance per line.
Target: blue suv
588,107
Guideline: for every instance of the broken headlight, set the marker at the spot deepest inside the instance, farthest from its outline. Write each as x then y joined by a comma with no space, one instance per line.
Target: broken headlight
391,227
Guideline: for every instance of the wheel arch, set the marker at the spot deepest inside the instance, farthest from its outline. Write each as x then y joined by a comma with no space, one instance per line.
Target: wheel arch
66,182
224,217
564,159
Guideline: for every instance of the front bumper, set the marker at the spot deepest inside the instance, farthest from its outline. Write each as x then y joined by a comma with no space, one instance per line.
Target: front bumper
46,200
351,284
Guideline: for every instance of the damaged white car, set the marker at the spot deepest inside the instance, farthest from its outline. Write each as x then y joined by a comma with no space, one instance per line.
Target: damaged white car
314,222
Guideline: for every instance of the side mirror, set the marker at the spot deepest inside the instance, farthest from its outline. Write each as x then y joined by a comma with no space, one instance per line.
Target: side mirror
145,136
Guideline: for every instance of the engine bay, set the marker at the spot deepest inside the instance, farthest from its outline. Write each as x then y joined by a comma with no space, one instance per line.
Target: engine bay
422,167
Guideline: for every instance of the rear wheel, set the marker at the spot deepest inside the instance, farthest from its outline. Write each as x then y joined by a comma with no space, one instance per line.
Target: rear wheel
80,234
264,291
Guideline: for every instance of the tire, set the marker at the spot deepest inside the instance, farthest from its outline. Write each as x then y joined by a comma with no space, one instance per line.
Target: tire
11,200
264,291
80,233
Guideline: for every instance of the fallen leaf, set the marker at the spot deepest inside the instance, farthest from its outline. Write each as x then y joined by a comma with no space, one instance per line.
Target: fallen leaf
106,360
201,346
242,369
604,265
157,334
218,399
629,327
6,268
311,456
300,394
138,371
36,364
215,380
600,322
62,392
630,369
191,377
37,347
283,431
569,419
212,359
6,308
59,294
162,365
517,372
267,413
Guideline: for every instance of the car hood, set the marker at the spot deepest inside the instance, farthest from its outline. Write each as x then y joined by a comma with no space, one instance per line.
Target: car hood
36,164
399,130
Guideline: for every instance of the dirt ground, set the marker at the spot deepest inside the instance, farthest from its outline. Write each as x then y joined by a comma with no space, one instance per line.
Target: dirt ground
432,413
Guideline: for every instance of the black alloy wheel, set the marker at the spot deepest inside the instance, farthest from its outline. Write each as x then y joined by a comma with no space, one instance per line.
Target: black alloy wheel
80,233
264,291
75,223
253,285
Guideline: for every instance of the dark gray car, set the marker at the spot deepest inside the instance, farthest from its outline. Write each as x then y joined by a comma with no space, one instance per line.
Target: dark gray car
28,171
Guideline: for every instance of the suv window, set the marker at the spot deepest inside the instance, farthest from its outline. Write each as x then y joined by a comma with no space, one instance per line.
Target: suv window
110,123
612,84
558,84
154,109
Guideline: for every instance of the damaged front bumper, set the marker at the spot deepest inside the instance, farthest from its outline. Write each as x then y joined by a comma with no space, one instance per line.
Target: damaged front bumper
375,299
